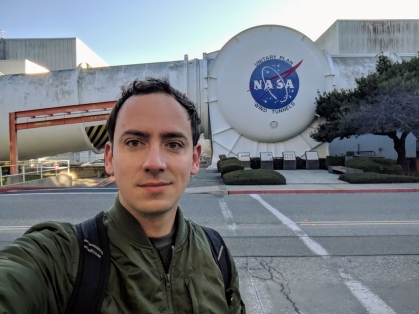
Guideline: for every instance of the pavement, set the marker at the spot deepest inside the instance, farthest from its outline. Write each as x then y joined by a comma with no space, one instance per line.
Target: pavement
298,182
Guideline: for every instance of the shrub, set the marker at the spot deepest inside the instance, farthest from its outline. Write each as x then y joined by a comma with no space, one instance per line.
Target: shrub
335,161
371,177
384,161
224,160
369,165
229,165
255,162
254,177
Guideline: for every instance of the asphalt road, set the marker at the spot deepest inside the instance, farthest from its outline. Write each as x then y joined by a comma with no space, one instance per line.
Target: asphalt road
296,253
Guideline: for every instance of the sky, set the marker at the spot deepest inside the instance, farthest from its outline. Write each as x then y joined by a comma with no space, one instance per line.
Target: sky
140,31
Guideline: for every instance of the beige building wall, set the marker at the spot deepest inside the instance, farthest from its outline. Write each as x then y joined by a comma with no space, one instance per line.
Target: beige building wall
370,36
8,67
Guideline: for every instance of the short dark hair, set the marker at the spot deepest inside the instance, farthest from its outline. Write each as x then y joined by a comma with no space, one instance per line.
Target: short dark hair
153,86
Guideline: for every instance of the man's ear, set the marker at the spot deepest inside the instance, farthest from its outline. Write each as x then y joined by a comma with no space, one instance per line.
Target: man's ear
108,158
195,159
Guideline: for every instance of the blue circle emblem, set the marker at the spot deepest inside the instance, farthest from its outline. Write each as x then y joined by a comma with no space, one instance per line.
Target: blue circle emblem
274,84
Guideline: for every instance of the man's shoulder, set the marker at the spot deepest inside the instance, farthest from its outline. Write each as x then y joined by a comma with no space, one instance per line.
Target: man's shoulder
64,230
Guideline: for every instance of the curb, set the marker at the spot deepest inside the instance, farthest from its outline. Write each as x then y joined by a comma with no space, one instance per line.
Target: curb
401,190
106,181
29,188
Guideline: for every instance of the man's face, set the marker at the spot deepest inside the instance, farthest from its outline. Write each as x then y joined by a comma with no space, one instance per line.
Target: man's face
153,155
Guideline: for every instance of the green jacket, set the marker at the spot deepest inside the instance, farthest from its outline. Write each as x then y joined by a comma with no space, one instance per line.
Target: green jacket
38,271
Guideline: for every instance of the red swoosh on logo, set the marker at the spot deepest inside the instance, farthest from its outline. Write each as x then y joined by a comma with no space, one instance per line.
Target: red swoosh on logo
284,74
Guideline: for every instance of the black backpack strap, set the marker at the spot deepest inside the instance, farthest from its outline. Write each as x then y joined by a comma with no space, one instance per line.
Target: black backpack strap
219,253
94,266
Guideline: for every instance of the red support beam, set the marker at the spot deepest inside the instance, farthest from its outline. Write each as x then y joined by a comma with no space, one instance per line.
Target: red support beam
55,122
14,126
13,142
65,109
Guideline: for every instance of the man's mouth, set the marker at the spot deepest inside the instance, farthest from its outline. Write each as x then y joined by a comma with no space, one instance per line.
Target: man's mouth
155,187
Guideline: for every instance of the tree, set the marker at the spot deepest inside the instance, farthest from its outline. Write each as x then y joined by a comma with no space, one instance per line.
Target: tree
383,103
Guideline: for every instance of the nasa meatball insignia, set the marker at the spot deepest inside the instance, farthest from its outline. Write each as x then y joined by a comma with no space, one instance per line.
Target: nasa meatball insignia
274,84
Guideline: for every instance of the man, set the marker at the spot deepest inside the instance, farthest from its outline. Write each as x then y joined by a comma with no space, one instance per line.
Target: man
160,261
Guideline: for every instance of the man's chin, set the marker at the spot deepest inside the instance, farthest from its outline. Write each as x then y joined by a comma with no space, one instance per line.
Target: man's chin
155,209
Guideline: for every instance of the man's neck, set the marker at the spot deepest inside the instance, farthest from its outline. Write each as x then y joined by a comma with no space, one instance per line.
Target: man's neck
156,226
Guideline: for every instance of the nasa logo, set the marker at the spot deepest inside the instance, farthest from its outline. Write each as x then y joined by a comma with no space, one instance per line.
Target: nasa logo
274,84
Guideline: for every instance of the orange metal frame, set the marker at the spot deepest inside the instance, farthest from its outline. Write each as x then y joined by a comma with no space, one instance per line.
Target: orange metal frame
48,114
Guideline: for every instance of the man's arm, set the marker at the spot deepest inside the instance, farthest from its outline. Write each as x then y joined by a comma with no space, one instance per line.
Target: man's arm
37,271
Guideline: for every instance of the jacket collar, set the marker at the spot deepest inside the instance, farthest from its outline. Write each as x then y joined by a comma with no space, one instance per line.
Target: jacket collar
131,228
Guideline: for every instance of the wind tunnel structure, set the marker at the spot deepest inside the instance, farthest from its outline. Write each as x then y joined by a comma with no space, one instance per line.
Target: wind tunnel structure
261,92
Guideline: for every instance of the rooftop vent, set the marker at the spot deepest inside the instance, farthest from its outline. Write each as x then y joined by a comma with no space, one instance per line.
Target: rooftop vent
2,34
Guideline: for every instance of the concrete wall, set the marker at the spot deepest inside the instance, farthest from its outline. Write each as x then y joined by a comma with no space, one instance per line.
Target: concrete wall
9,67
61,180
86,55
53,54
370,36
88,172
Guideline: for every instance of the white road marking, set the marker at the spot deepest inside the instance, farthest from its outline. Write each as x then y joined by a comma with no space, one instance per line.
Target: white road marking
7,228
357,223
371,302
312,245
227,215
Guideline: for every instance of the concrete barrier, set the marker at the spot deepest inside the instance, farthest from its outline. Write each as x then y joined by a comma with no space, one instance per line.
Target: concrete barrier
88,172
61,180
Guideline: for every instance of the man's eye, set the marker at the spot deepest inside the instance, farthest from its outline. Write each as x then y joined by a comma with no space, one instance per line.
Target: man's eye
175,145
133,143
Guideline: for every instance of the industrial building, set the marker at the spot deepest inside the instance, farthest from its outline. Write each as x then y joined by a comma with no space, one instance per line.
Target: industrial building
256,94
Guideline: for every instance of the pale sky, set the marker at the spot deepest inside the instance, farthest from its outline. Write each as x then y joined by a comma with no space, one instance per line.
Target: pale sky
139,31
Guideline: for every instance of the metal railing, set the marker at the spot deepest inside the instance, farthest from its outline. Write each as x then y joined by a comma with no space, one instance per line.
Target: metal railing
28,170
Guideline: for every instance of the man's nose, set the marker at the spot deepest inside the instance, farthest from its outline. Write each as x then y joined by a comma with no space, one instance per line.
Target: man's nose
154,160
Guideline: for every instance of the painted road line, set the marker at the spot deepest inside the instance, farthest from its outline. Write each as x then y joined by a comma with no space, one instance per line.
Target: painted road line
227,215
371,302
356,223
7,228
312,245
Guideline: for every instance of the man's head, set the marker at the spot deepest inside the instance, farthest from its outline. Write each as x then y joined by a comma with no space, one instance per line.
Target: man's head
153,86
152,148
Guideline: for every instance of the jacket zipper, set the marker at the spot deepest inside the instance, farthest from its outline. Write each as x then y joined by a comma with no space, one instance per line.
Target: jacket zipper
168,282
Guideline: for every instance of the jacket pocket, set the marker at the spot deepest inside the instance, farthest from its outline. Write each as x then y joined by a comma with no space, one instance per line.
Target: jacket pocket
191,295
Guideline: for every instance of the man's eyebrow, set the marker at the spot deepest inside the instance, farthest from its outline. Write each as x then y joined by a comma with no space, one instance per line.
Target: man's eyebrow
171,135
136,133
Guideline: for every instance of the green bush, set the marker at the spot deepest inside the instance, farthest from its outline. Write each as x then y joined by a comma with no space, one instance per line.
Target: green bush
369,165
371,177
254,177
225,160
335,161
385,161
229,165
